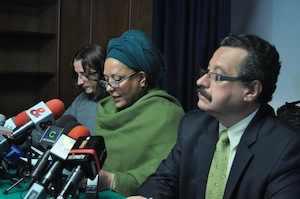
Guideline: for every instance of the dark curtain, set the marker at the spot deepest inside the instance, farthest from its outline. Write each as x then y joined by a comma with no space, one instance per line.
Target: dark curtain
187,32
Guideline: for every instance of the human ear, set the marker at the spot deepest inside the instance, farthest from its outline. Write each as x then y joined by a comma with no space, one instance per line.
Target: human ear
252,91
143,80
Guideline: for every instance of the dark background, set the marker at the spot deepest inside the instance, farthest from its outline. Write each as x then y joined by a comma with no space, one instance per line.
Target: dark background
39,37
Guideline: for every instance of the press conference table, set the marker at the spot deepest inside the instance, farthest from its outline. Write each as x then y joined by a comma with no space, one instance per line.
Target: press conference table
20,191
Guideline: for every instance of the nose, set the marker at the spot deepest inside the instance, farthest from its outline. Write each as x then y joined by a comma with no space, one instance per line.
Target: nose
109,89
203,81
79,81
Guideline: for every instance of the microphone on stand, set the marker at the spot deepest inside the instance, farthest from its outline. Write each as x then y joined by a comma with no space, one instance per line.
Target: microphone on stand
2,120
39,116
86,161
59,152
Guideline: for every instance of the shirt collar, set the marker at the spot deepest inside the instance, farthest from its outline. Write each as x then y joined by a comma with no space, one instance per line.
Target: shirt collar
236,131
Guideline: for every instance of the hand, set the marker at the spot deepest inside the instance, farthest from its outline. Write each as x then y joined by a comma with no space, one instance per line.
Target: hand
136,197
106,180
6,131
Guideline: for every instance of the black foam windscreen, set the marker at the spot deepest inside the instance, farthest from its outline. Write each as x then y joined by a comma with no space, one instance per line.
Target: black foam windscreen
67,122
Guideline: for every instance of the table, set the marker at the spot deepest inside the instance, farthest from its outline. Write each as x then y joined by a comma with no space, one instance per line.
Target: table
20,191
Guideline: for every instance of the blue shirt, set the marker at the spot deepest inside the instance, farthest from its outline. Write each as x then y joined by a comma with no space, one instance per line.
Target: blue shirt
84,110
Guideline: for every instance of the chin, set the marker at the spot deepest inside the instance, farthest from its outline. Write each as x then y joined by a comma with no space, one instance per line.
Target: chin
202,104
205,106
120,104
89,91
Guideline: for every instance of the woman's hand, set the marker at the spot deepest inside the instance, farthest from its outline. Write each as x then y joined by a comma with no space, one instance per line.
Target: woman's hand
106,180
136,197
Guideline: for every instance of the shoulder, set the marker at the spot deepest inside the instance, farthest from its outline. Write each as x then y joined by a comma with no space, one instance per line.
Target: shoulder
270,125
160,100
197,116
80,101
195,123
283,131
272,140
81,97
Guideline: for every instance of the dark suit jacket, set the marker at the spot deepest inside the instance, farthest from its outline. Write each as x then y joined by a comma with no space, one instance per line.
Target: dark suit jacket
266,164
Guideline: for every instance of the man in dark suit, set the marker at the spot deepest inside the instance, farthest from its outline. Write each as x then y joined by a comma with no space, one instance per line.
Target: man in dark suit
262,156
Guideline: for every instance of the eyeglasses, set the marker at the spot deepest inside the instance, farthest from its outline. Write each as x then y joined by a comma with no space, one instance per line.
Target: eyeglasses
93,75
218,77
115,81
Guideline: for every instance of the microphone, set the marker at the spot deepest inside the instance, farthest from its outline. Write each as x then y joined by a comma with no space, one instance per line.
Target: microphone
2,120
92,149
59,150
68,124
38,115
14,153
16,121
87,162
65,143
63,125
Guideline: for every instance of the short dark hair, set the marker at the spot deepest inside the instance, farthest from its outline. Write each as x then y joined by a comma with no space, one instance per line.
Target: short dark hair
91,56
262,62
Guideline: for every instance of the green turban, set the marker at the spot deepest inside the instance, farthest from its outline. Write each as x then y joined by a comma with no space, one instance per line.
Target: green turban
134,49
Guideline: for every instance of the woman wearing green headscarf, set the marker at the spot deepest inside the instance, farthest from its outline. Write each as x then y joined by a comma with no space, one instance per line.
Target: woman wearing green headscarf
138,120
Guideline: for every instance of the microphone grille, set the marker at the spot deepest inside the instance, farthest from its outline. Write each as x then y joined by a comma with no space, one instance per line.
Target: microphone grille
79,131
67,122
21,119
56,106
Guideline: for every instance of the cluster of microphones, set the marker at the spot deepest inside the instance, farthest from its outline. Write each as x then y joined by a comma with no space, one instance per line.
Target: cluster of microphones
61,157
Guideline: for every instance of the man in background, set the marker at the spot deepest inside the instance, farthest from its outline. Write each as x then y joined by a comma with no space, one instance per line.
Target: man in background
233,147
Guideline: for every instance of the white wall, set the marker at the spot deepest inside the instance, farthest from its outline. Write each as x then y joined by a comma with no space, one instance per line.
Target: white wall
278,22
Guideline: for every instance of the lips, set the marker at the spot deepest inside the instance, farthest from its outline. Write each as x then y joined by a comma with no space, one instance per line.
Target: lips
116,98
88,89
203,93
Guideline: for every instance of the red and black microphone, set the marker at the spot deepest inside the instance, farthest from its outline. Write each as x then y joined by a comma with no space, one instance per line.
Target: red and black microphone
66,124
50,136
38,116
87,161
59,152
55,106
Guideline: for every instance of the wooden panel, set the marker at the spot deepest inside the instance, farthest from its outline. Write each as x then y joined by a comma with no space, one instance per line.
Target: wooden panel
17,93
110,19
35,75
28,66
75,22
141,15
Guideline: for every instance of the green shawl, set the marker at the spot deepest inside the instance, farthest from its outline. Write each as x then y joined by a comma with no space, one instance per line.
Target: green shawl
138,137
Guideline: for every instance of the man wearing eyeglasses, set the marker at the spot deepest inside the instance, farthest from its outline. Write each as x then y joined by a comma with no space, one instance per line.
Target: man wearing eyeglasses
233,147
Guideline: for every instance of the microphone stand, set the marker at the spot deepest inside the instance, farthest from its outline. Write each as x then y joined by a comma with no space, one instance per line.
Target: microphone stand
27,170
4,173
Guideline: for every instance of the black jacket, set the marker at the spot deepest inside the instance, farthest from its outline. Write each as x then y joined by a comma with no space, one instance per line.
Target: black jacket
266,164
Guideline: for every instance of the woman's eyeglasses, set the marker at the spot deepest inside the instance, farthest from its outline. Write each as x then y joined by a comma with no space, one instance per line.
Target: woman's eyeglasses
115,83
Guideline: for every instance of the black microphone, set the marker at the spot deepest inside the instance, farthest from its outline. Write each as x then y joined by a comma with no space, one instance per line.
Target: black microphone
87,162
66,124
62,126
4,146
60,151
39,116
79,133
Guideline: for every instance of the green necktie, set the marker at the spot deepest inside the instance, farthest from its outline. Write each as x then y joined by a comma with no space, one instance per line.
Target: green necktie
216,181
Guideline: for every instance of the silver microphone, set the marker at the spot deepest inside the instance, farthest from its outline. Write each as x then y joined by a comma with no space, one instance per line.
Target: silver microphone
2,119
